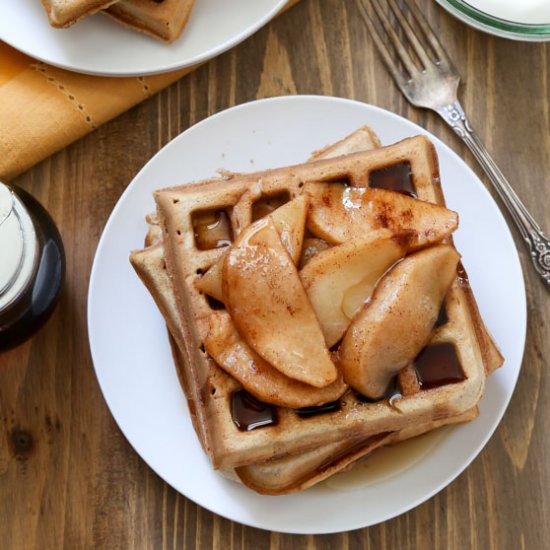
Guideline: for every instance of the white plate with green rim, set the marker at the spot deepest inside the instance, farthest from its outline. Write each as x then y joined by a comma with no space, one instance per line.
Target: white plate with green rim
527,20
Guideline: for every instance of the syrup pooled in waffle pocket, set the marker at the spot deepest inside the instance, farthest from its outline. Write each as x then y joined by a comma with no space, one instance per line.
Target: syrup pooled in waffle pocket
316,311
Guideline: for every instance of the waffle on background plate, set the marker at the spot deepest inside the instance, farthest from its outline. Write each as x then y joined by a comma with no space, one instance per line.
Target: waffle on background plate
259,426
63,13
162,19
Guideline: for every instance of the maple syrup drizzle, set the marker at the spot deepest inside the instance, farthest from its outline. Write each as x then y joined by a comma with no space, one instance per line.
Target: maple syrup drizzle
266,205
462,275
341,180
36,303
214,304
386,462
394,178
353,448
249,413
438,365
212,229
307,412
442,317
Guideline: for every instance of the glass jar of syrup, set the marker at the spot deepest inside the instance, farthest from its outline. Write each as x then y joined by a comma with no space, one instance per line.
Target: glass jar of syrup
32,265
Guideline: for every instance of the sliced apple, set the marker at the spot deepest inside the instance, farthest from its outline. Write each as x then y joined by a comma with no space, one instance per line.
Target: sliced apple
289,220
290,223
211,282
392,329
338,213
270,308
232,354
310,248
341,279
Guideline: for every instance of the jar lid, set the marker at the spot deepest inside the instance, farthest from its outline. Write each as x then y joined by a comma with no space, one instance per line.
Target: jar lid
18,246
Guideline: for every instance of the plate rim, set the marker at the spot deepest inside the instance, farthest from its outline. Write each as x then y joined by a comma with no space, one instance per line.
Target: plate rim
479,184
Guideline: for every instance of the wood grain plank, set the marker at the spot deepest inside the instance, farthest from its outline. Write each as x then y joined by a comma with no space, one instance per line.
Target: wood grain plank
68,477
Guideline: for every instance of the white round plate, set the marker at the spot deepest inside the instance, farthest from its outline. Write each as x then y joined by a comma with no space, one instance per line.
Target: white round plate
98,45
132,356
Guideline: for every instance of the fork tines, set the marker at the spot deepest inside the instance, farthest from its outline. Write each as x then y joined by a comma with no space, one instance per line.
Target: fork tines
403,37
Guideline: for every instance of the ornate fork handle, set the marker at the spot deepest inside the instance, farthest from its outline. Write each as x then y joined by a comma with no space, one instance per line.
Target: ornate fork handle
537,242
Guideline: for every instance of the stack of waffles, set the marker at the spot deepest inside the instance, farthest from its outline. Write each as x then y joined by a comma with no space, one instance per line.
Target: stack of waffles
318,311
162,19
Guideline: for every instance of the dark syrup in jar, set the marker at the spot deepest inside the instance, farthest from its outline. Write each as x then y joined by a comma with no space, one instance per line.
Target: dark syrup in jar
29,309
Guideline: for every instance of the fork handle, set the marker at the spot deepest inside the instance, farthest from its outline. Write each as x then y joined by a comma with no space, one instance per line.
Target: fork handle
537,242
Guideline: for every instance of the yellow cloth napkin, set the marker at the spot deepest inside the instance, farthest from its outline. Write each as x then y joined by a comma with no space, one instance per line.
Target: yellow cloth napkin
43,108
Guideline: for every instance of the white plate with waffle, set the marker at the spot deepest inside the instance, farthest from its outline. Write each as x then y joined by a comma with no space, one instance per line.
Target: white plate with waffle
98,45
133,360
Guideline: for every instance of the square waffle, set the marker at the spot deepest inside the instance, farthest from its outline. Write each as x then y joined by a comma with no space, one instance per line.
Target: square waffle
350,427
163,19
275,476
63,13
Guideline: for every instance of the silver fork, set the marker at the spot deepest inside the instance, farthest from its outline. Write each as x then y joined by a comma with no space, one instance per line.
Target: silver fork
434,86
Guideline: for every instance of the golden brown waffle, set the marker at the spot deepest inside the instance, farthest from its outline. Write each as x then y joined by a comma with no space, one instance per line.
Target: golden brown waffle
163,19
63,13
355,419
276,476
298,472
151,268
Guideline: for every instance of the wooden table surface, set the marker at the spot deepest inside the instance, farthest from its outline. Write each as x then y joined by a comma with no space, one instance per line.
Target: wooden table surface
68,477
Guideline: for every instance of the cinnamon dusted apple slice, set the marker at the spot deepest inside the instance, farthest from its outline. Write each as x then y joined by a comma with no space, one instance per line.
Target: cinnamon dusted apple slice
338,213
270,308
211,282
289,220
232,354
392,329
290,223
310,248
340,279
